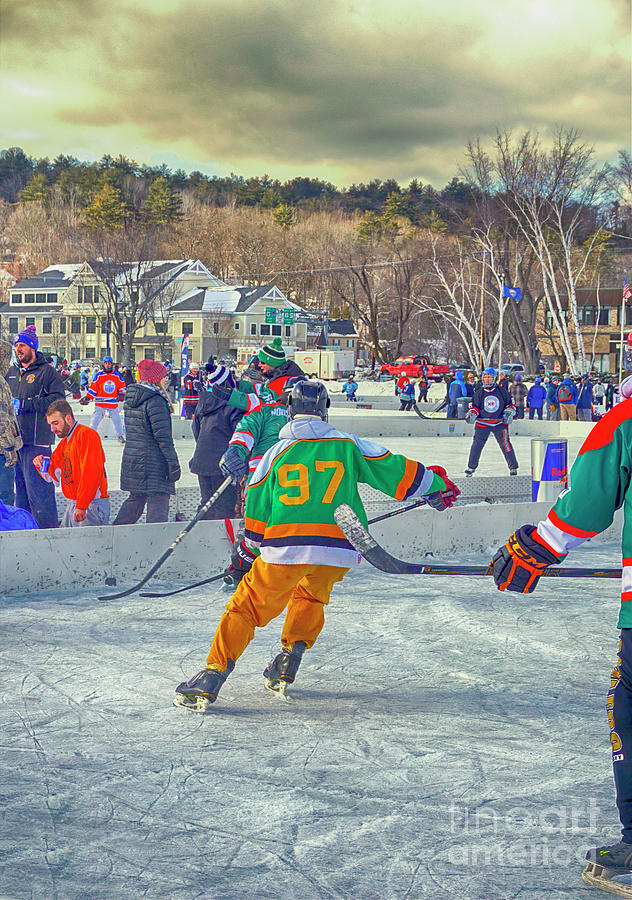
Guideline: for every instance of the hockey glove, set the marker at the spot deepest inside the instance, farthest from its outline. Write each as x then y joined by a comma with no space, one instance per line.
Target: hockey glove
508,416
471,416
520,563
441,500
85,400
233,465
222,391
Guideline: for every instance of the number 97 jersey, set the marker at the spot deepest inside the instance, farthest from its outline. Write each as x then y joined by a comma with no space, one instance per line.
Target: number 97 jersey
301,480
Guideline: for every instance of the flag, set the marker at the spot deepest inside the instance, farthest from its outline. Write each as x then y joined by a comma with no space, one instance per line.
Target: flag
627,293
514,292
184,365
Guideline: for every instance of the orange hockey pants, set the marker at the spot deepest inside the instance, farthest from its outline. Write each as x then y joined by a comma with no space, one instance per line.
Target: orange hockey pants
262,594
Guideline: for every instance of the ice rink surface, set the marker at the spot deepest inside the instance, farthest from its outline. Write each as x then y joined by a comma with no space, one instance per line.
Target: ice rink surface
443,741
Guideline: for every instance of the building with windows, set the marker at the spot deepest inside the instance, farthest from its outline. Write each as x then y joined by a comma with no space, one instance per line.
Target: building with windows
599,313
73,306
234,322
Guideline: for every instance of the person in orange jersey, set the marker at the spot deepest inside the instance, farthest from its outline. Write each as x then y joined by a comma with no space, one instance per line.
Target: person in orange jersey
77,464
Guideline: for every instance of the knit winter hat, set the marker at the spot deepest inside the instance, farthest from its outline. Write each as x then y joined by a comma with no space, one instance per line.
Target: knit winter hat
28,336
151,371
272,354
219,375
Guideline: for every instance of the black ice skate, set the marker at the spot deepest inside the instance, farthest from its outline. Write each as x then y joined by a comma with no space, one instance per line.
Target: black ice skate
283,668
199,692
469,472
610,868
513,471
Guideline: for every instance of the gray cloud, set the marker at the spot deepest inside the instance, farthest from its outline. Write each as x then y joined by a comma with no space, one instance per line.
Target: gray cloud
306,86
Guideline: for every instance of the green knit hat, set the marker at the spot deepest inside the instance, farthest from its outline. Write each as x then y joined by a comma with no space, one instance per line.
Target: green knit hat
272,354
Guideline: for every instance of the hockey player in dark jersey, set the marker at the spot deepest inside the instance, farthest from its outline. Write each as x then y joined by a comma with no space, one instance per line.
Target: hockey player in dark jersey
491,411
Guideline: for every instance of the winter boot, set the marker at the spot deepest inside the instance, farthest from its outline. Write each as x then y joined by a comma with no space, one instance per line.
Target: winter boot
199,692
610,868
283,668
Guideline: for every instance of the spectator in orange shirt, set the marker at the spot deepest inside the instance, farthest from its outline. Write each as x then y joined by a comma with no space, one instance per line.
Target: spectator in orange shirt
77,464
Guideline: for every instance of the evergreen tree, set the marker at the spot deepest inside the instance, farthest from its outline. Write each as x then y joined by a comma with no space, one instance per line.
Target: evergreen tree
162,205
283,216
107,210
36,191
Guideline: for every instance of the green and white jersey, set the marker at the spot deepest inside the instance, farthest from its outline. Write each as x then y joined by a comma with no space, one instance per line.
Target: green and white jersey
600,484
301,480
259,431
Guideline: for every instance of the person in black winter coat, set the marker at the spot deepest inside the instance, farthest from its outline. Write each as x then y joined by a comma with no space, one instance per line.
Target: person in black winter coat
35,385
213,426
150,467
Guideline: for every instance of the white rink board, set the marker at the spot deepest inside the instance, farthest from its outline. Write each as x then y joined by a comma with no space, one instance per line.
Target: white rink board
34,561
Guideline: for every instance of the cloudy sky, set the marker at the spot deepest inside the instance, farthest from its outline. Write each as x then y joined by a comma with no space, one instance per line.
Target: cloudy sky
346,90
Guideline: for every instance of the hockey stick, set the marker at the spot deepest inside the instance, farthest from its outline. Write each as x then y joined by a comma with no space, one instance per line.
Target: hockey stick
368,547
188,587
419,412
396,512
196,518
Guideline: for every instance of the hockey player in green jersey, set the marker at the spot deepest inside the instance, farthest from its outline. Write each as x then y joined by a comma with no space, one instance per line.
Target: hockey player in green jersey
601,479
254,435
290,507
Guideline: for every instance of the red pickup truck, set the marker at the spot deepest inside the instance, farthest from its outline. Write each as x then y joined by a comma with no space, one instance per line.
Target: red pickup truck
413,366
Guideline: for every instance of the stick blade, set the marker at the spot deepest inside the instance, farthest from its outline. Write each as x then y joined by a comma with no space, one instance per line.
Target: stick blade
368,547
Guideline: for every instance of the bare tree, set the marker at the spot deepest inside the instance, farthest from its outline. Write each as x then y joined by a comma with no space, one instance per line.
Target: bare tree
133,287
550,196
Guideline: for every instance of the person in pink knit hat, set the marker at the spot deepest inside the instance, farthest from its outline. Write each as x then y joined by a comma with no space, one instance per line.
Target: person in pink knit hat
150,467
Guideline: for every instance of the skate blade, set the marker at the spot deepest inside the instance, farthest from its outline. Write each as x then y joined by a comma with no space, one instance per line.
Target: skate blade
198,705
278,688
604,879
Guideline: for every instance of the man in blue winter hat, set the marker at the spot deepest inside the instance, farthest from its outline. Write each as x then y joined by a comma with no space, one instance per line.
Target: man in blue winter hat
34,385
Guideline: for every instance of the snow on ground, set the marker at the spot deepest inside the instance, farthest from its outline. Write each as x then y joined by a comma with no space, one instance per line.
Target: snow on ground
444,741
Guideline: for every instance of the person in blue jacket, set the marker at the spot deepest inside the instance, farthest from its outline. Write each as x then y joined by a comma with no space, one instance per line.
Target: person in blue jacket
349,388
457,389
535,398
567,399
405,390
552,408
585,400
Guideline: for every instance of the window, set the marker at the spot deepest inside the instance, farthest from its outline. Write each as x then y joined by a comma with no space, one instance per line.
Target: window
236,326
253,328
74,353
288,330
47,325
350,343
51,298
40,298
91,351
85,293
104,352
75,325
134,295
187,327
29,298
91,324
62,324
161,327
13,325
264,329
30,320
215,327
16,298
46,351
276,330
149,353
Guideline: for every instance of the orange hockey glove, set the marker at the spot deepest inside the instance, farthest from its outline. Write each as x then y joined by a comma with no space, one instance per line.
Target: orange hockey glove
520,563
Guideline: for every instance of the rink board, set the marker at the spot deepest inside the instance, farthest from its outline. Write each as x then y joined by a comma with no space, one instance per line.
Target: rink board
32,561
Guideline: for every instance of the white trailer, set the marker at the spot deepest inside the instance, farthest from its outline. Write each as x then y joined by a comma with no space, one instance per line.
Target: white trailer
326,364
